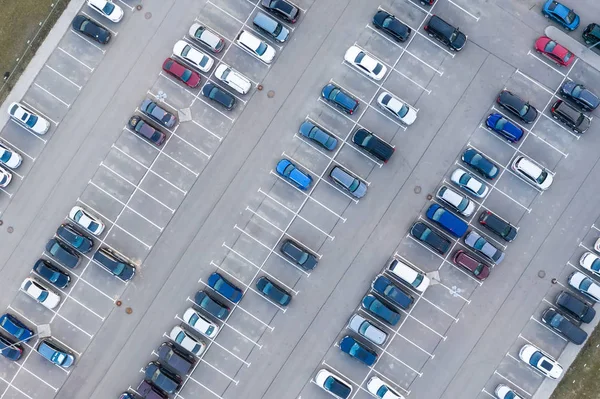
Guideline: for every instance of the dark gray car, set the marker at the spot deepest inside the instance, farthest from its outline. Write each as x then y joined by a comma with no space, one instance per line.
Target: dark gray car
365,328
154,111
299,255
343,178
174,358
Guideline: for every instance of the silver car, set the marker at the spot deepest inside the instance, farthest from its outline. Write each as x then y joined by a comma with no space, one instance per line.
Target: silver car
481,245
207,37
356,187
365,328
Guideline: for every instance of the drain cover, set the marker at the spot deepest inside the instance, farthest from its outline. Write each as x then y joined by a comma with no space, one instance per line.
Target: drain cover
541,274
270,94
148,15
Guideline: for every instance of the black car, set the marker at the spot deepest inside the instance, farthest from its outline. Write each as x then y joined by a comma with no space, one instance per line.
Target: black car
218,95
575,307
571,117
498,226
77,240
91,29
578,94
373,145
52,273
282,8
176,359
211,305
273,291
389,24
335,95
427,235
148,391
9,350
62,253
563,325
480,163
162,378
522,109
299,255
114,263
452,37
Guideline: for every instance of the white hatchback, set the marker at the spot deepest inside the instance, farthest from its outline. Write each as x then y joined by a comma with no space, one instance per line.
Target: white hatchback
200,324
28,119
365,63
193,56
233,79
469,183
458,201
533,174
10,158
591,262
380,389
106,8
399,110
186,341
504,392
83,218
540,361
410,276
40,293
256,47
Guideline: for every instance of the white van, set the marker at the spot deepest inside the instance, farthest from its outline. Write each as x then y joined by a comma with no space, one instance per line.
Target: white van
410,276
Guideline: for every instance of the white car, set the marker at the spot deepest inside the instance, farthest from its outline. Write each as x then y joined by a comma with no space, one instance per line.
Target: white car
597,245
256,47
365,63
458,201
469,183
233,79
591,262
540,361
380,389
408,275
83,218
193,56
200,324
504,392
186,341
335,385
28,119
400,110
207,37
9,158
585,285
5,177
107,9
40,293
532,173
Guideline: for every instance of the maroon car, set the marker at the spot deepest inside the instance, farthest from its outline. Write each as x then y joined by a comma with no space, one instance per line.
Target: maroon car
478,269
142,128
187,76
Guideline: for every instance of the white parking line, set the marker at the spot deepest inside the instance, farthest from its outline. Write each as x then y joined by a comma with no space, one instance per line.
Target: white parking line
512,383
212,28
274,226
39,112
14,147
40,379
582,270
202,385
545,63
561,126
535,82
202,127
465,11
88,41
125,4
63,76
595,227
52,95
65,52
547,328
9,385
586,248
27,130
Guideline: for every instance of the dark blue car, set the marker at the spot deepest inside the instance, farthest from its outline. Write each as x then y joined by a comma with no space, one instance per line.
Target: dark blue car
447,220
504,127
318,135
224,287
358,351
212,306
388,290
62,253
578,94
70,235
480,163
339,98
15,327
294,175
52,273
563,15
379,310
273,291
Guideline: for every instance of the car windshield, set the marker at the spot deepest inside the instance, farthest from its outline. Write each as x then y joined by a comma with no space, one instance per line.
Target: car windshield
567,57
58,357
77,241
194,319
425,234
43,296
363,328
464,179
277,30
510,395
438,214
352,187
262,47
570,17
453,36
403,111
78,216
31,120
84,25
596,265
288,170
156,136
333,385
550,46
186,75
418,280
203,61
5,156
463,204
185,51
108,8
542,177
179,338
54,249
377,69
303,258
333,94
359,57
556,320
500,124
577,91
93,226
382,391
524,109
355,350
54,276
478,269
479,243
387,22
585,284
220,285
535,358
119,268
225,73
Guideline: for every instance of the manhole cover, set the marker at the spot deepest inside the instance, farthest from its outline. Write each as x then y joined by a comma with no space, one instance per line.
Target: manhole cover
259,87
271,94
541,274
148,15
429,197
10,229
138,7
417,189
118,303
128,310
1,222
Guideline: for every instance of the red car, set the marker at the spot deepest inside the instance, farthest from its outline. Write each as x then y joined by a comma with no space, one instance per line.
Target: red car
187,76
557,53
479,269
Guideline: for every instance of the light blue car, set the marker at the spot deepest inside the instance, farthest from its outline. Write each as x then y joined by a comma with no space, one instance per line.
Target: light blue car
563,15
294,175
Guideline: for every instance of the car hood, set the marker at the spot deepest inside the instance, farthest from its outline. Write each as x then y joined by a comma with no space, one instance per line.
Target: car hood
459,41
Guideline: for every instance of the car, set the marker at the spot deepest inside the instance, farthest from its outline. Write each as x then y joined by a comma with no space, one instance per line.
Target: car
162,378
147,390
200,323
578,309
447,220
51,273
224,287
126,395
40,293
570,116
282,8
469,183
515,104
579,95
62,253
91,29
479,163
170,356
552,318
256,47
461,203
431,238
187,76
10,158
218,95
343,178
155,112
441,30
115,263
233,79
333,384
86,220
207,37
15,328
357,350
504,127
68,234
391,292
373,145
480,270
318,135
597,245
145,130
498,226
299,255
28,119
273,291
389,24
591,35
590,261
107,9
211,305
271,27
366,329
554,51
556,11
478,243
193,56
365,63
585,285
55,354
336,96
540,361
397,108
291,173
186,341
533,174
417,280
378,388
380,310
9,349
504,392
5,177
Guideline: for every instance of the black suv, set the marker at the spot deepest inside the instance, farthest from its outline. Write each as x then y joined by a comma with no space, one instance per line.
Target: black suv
174,358
282,8
373,145
218,95
114,263
571,117
564,326
162,378
445,33
498,226
575,307
435,240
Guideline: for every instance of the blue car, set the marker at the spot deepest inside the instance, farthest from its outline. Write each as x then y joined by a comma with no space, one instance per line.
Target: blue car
54,354
318,135
447,220
339,98
388,290
358,351
273,291
379,310
480,163
9,350
561,14
15,327
504,127
294,175
224,287
52,273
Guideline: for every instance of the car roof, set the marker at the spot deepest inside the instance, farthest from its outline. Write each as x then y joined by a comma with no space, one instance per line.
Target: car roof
249,39
529,167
